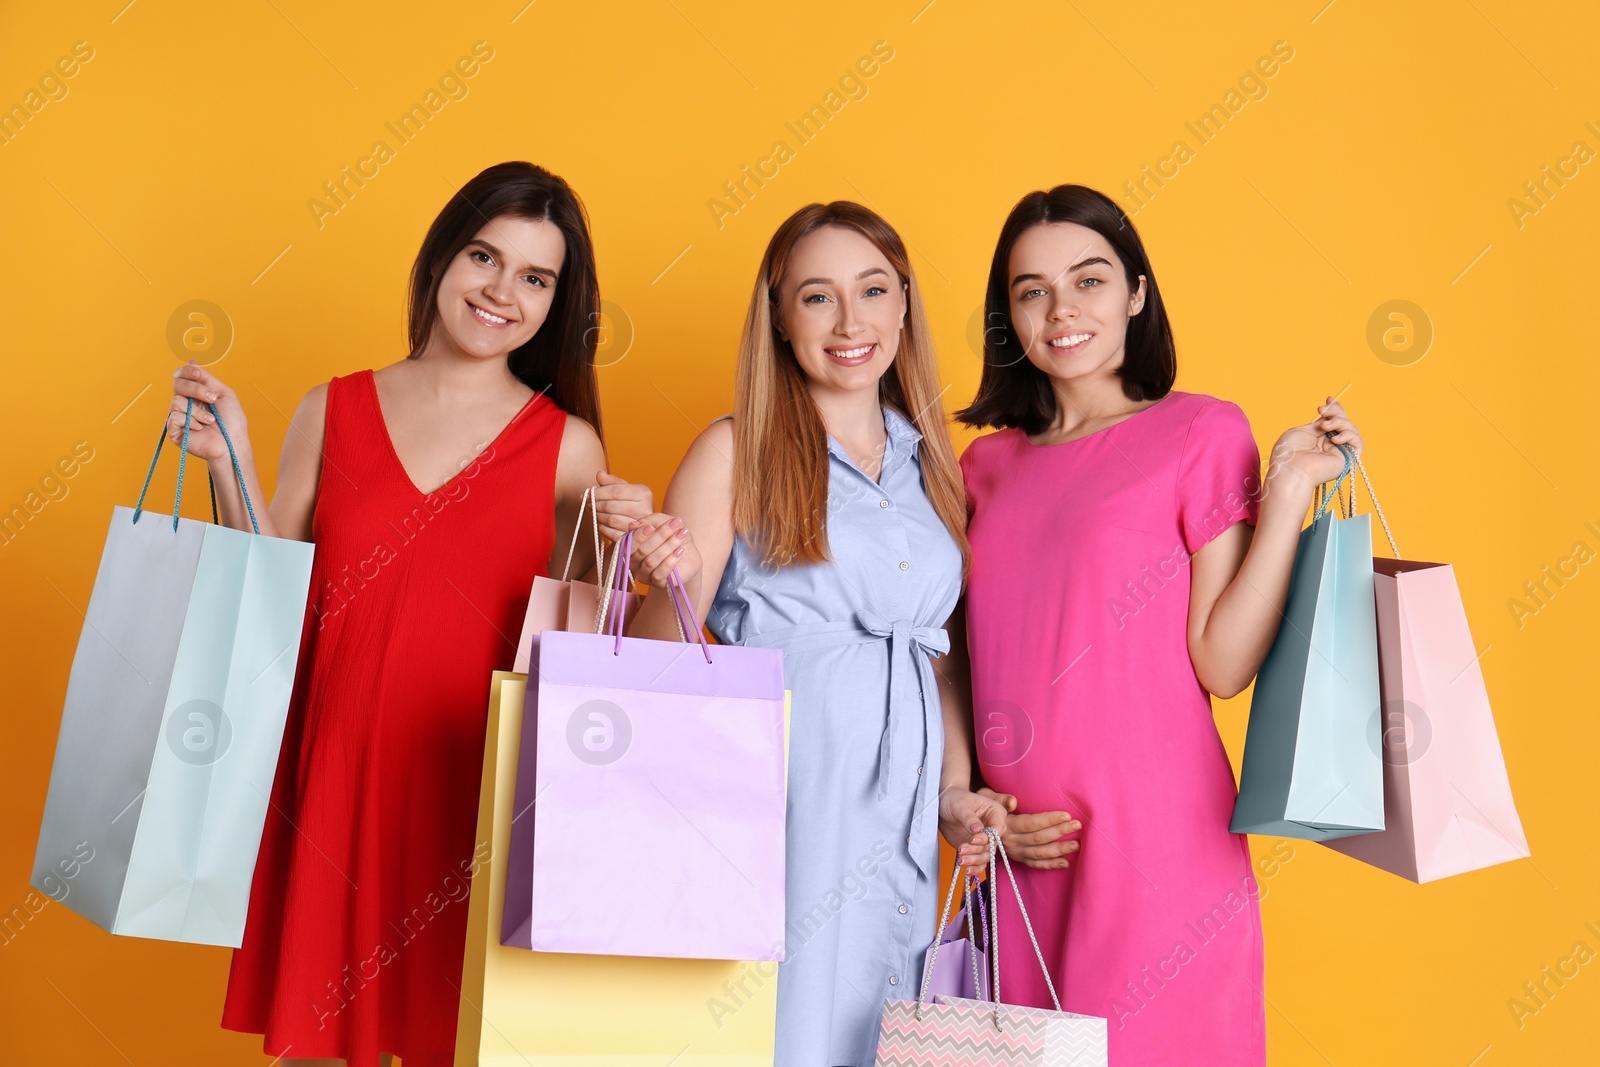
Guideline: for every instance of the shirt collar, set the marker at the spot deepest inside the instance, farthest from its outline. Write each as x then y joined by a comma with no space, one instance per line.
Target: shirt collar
901,440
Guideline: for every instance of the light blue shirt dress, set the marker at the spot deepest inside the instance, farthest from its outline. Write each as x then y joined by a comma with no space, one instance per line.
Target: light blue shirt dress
866,742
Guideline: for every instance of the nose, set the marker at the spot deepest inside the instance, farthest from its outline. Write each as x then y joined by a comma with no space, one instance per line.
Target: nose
1064,308
847,324
497,289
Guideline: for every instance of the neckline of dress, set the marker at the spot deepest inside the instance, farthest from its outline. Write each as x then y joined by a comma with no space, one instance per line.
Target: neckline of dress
1104,429
394,453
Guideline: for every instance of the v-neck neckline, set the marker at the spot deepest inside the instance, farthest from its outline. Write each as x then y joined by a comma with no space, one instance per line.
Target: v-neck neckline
394,453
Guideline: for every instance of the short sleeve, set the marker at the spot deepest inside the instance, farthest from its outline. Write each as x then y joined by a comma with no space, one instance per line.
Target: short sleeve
1219,474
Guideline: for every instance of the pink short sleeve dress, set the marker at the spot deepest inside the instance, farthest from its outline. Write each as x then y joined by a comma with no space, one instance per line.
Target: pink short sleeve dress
1085,700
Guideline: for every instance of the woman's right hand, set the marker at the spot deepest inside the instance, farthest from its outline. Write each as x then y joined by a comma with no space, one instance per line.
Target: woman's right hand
619,503
662,544
1036,840
192,381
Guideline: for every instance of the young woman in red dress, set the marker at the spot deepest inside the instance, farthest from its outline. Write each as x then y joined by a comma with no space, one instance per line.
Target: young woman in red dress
435,490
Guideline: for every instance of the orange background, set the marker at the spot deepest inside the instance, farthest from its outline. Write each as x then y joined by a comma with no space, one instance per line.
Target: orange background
1380,163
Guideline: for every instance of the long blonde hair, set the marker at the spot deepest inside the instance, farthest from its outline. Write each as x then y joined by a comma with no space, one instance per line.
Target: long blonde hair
780,450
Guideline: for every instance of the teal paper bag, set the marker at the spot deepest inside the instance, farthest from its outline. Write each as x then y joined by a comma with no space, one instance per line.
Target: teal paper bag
169,738
1313,764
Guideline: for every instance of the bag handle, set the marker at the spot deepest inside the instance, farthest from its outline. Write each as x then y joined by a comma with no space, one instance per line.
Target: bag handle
586,503
994,909
687,621
1325,496
183,457
994,926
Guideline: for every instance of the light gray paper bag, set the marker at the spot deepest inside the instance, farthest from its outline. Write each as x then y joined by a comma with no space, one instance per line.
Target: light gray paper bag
174,716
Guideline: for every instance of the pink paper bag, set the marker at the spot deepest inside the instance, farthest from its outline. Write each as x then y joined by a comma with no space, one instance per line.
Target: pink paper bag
1447,800
560,604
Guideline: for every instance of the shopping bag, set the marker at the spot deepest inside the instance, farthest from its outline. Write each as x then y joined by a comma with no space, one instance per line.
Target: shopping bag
683,747
560,1010
568,605
1312,768
955,966
1446,797
947,1031
173,718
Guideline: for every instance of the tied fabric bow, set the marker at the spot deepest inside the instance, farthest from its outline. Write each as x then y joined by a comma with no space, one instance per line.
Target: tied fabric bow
904,641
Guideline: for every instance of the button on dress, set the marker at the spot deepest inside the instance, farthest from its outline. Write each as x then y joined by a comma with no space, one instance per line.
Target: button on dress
866,742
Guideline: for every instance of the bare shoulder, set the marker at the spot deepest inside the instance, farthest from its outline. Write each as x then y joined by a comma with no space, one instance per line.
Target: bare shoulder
314,405
580,443
581,457
309,422
713,448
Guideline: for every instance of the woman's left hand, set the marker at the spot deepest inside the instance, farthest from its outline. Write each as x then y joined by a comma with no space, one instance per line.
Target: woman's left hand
962,816
1307,452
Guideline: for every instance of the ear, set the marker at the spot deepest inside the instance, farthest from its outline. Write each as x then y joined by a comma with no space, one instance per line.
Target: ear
1136,301
905,302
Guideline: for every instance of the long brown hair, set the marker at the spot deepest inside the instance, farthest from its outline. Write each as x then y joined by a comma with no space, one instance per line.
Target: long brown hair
780,449
559,359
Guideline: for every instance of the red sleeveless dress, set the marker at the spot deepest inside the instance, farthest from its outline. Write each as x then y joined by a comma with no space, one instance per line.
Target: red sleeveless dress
358,911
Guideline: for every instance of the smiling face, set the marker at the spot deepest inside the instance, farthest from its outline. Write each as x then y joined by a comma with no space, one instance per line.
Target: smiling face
841,306
497,291
1070,300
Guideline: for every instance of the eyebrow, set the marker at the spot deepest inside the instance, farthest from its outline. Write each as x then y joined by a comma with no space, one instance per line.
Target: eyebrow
1092,261
497,254
869,272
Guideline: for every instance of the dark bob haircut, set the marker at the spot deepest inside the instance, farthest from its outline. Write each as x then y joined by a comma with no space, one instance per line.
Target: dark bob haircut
559,359
1015,393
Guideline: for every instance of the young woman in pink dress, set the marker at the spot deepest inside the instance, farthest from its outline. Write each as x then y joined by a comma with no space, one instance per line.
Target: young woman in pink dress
1129,561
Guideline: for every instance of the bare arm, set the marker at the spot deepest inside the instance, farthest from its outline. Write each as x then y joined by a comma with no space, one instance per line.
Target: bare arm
581,460
299,466
1239,582
701,496
955,699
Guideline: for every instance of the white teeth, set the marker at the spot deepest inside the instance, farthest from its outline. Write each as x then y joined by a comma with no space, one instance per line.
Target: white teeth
485,316
851,353
1068,342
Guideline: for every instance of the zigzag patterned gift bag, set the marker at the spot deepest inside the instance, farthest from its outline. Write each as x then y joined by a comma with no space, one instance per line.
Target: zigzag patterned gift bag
958,1032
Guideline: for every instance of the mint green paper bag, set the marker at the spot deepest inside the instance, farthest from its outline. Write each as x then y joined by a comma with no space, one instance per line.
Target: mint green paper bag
1313,764
174,716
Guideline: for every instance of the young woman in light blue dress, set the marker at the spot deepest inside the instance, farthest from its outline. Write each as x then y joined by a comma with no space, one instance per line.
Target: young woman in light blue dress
828,520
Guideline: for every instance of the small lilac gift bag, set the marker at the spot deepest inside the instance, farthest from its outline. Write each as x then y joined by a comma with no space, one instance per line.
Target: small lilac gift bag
957,965
954,1031
649,811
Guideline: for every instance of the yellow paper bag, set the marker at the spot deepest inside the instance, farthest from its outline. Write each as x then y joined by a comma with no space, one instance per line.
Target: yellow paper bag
557,1010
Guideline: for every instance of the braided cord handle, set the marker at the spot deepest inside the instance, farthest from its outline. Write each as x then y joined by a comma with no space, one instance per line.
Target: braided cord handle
183,457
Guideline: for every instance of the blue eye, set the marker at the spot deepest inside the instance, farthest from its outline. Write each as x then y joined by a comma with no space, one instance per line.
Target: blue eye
813,297
876,290
1029,294
1090,283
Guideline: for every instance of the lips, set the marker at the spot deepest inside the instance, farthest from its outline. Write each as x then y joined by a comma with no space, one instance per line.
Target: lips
854,355
489,318
1069,343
